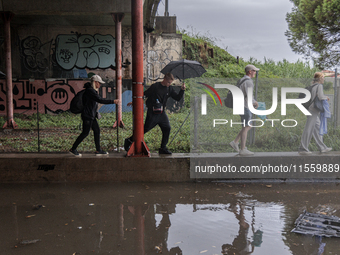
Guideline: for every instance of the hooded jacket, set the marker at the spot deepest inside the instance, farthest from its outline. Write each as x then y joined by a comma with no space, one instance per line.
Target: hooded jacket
91,98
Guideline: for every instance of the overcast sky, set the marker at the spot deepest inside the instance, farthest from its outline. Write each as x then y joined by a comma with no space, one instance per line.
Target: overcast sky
249,28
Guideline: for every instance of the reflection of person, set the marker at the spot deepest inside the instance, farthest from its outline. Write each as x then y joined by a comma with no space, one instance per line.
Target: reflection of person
245,83
157,236
241,245
157,96
312,127
91,99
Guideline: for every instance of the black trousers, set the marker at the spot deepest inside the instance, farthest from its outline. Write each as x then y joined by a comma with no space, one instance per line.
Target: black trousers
87,126
162,121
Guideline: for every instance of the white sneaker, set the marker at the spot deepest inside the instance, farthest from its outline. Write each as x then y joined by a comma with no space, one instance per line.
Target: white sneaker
245,152
234,146
326,150
305,152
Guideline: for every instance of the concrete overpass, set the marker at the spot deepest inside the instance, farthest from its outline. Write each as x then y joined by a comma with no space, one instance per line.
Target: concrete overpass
79,29
75,12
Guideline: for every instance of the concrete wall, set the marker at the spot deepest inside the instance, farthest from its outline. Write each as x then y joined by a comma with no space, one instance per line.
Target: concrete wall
89,168
161,49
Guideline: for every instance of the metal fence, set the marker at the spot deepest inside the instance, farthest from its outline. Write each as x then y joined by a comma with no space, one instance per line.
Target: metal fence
213,131
43,132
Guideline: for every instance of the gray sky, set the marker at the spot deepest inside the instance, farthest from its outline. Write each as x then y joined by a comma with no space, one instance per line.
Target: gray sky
249,28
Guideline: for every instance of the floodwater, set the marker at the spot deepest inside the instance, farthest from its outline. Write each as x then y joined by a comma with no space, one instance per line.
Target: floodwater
168,218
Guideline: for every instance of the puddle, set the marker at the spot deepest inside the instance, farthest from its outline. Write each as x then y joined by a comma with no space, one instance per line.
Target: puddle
201,218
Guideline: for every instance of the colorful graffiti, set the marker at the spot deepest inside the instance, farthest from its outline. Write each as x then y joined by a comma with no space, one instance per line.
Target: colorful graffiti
82,51
52,96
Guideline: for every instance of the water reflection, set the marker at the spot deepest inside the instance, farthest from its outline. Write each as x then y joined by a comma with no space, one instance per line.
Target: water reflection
241,244
163,219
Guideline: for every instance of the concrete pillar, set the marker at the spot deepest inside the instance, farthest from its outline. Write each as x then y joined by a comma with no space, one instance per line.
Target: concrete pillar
118,17
138,147
7,17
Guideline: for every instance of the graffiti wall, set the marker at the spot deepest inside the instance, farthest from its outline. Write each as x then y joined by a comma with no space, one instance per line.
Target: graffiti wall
68,56
82,51
54,97
49,64
51,96
160,51
35,54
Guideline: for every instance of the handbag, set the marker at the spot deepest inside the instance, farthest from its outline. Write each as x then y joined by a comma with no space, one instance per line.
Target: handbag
318,103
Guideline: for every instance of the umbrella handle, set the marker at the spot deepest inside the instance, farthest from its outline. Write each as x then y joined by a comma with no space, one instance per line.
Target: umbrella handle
180,127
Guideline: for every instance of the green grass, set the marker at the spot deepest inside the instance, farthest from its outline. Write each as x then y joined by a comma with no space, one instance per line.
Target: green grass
58,132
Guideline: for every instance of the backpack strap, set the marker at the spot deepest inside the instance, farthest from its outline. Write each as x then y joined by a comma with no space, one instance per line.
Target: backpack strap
312,86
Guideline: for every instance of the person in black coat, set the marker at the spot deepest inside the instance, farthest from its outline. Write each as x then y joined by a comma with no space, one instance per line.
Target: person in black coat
157,96
91,98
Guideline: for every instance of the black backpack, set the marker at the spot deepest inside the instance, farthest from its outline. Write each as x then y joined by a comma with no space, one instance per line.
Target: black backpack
228,101
76,105
310,101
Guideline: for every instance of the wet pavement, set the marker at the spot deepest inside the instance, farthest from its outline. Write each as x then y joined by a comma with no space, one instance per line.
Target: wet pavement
167,218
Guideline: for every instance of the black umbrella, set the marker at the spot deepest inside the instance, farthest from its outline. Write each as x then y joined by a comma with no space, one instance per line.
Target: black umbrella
184,69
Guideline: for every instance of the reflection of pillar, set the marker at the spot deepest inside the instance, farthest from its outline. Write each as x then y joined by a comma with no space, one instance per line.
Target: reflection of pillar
118,17
7,17
138,147
139,221
121,222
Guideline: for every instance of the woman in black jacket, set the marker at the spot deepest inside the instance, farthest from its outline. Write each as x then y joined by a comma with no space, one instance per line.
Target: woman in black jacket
91,99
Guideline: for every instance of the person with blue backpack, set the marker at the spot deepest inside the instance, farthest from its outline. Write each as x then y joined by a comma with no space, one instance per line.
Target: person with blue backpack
312,126
90,100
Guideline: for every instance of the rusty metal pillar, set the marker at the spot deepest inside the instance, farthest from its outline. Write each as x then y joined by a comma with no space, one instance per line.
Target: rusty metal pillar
118,17
7,17
138,147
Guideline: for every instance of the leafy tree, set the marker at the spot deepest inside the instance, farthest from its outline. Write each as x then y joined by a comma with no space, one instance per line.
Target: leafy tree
314,30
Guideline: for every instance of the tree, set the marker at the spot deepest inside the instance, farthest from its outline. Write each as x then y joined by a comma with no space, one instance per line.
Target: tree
314,30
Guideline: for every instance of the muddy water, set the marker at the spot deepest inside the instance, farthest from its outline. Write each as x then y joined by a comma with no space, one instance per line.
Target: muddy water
203,218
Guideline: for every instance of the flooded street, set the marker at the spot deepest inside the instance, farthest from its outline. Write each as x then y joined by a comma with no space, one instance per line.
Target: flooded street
167,218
